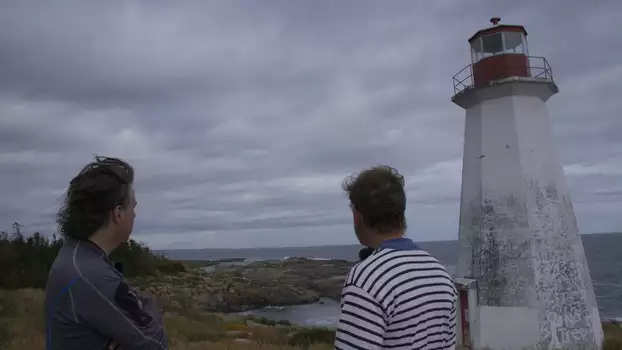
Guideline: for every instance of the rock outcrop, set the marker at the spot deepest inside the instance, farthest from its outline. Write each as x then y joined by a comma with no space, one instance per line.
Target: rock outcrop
235,288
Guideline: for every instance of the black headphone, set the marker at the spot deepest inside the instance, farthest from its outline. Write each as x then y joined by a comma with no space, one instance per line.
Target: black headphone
365,253
119,267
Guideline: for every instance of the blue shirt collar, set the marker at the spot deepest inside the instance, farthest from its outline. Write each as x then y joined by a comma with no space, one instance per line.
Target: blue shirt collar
399,244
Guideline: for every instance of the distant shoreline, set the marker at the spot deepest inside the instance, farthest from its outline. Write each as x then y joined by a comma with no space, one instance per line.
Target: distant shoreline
333,246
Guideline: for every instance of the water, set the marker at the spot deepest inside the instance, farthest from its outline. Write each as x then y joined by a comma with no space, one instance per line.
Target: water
325,313
602,251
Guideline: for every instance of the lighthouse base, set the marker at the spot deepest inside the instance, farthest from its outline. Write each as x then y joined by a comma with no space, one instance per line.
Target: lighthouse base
494,327
508,327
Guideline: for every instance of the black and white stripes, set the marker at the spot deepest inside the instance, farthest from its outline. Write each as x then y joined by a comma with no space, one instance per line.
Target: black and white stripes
398,299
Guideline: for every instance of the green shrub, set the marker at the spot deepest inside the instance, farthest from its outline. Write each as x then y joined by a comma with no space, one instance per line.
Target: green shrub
265,321
194,329
306,337
31,257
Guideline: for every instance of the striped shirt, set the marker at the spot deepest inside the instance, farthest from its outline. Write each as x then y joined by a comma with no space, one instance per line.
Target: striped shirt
400,297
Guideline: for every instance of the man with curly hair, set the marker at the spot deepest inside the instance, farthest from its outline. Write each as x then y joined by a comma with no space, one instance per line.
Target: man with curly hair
88,303
398,297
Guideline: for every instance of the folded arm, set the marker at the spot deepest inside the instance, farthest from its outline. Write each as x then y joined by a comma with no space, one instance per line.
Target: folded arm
114,311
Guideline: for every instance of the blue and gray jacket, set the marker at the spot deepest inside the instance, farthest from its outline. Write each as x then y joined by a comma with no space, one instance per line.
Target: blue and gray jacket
89,305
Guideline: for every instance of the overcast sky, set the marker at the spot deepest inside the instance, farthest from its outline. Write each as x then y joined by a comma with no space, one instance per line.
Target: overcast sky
242,118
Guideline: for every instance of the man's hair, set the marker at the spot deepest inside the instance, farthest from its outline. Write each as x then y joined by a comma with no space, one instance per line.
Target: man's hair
378,194
101,186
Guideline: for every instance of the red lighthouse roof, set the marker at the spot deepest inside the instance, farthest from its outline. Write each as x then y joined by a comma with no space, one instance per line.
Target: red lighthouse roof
497,28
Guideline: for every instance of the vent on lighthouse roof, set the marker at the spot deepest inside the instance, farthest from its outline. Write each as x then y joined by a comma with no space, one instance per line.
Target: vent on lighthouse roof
498,27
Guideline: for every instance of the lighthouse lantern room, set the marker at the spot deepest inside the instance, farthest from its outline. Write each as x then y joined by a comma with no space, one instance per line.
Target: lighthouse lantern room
499,52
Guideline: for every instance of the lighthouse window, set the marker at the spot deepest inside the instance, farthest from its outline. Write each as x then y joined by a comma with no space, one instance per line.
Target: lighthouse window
513,42
476,50
492,44
498,43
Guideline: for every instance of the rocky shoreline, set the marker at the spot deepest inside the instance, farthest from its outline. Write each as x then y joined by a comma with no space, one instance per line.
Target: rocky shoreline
232,286
227,288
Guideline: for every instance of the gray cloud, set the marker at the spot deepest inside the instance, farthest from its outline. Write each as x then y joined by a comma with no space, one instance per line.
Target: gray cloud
242,119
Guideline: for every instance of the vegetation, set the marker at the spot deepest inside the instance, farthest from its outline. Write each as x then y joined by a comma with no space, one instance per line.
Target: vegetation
21,327
31,257
613,336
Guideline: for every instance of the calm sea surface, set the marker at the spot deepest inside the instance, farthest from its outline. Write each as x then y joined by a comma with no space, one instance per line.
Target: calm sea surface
602,250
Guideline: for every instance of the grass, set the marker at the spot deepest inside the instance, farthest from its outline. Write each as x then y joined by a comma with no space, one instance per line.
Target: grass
613,336
21,319
21,327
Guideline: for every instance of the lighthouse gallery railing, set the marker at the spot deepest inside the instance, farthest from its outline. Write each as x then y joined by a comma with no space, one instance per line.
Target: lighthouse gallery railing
538,67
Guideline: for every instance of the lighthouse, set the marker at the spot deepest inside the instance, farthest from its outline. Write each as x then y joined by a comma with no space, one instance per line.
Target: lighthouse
518,240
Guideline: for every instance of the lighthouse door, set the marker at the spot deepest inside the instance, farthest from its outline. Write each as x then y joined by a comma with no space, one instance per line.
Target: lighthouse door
464,316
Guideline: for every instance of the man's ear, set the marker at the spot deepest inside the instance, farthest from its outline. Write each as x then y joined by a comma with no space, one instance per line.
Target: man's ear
356,215
117,213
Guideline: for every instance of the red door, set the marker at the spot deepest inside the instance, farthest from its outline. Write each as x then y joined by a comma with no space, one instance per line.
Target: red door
464,315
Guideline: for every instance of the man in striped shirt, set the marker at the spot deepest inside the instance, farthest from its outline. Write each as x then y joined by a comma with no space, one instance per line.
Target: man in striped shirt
399,297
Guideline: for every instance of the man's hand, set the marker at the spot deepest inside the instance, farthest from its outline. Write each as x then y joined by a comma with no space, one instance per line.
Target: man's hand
149,306
152,308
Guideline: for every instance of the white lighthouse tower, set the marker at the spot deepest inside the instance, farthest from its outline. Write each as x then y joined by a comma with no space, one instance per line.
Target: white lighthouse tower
518,233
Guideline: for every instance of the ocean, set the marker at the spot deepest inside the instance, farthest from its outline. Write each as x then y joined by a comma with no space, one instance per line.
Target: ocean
602,250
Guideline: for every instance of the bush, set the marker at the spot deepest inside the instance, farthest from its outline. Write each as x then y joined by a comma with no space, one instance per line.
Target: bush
31,258
5,321
306,337
139,260
265,321
269,322
183,329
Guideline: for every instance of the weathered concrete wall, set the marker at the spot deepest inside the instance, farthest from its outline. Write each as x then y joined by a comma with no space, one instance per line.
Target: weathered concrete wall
518,232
